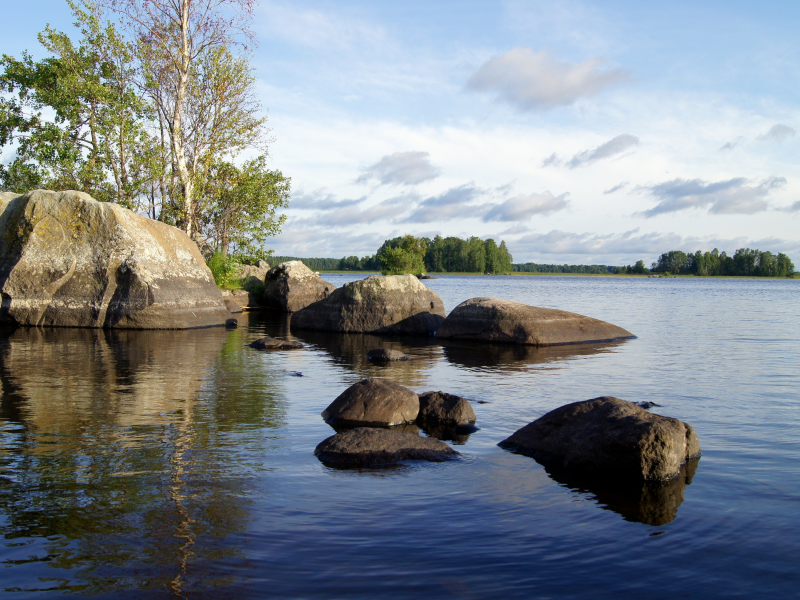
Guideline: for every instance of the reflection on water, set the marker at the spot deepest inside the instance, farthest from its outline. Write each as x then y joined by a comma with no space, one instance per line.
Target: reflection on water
114,453
652,503
515,357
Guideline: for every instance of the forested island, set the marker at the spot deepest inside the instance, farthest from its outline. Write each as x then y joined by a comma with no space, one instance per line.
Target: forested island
409,254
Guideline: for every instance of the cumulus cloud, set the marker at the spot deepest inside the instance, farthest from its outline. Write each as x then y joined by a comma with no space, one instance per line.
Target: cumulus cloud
616,188
533,81
321,200
523,207
731,145
778,133
452,204
793,208
733,196
614,146
401,168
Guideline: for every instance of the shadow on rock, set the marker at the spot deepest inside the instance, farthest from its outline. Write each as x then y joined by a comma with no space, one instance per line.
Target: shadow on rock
651,503
472,355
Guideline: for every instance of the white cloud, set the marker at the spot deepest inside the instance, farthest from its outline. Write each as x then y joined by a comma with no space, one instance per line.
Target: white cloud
616,188
612,147
523,207
733,196
533,81
320,200
452,204
778,133
401,168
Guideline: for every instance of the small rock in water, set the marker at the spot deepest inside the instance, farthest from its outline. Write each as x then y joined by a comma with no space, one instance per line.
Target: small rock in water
382,356
296,374
373,403
446,409
481,402
270,343
646,405
368,447
231,324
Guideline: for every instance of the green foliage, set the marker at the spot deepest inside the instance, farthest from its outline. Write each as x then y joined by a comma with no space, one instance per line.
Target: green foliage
227,274
588,269
744,262
401,255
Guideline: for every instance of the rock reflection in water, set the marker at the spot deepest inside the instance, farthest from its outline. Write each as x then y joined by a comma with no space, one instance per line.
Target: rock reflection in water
652,503
117,455
512,357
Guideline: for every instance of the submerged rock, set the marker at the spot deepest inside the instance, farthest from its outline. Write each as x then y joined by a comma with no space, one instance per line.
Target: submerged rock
608,436
67,260
445,409
373,402
503,321
292,286
395,304
382,356
271,343
369,447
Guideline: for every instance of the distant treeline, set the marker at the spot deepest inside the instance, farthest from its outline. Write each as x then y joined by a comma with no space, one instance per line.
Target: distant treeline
315,264
744,262
537,268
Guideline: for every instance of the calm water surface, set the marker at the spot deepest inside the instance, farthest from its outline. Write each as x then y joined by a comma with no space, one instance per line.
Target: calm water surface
180,464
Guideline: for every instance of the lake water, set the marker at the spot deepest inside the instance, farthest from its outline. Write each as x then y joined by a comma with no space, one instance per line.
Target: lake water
180,463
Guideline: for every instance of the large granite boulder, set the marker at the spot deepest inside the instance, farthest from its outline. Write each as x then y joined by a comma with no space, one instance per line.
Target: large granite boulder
291,286
67,260
397,304
373,402
503,321
367,447
253,276
445,409
609,437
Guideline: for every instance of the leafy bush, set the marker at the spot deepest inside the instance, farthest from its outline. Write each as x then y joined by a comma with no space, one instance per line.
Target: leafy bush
226,272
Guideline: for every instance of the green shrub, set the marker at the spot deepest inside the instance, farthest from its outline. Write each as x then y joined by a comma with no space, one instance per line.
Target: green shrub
227,274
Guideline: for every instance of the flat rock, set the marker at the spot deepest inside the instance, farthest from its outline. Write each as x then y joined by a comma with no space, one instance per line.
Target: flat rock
370,447
232,305
381,356
373,402
67,260
291,286
503,321
396,304
608,436
445,409
271,343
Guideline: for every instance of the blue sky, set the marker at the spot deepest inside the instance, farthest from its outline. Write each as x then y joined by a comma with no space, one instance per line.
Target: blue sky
581,132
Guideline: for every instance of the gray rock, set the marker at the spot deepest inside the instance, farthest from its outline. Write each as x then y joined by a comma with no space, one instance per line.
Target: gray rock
206,251
292,286
232,305
271,343
608,436
368,447
445,409
67,260
373,402
503,321
382,356
253,276
397,304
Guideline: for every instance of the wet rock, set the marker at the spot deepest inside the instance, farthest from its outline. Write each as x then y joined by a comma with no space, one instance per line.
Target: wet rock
231,305
445,409
270,343
231,323
382,356
503,321
373,402
369,447
67,260
292,286
647,405
608,436
397,304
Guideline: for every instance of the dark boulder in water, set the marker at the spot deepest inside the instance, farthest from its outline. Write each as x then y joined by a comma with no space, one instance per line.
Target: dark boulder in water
375,447
382,356
270,343
608,436
291,286
503,321
375,403
445,409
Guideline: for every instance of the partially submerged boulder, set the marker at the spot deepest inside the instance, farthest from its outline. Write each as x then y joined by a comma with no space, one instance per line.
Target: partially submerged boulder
504,321
271,343
291,286
367,447
397,304
67,260
382,356
610,437
445,409
373,402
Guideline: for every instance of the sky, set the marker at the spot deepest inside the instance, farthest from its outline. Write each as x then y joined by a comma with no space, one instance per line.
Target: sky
578,132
